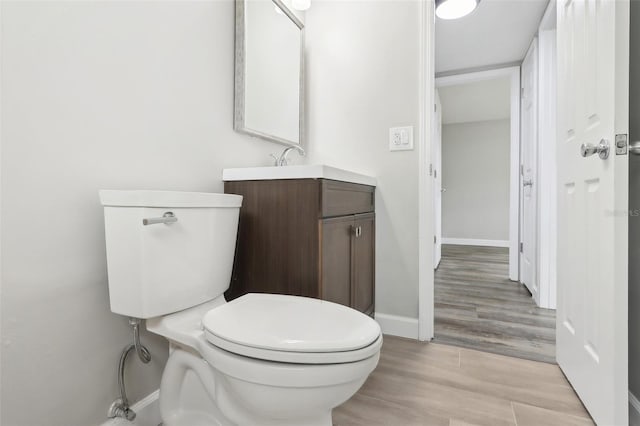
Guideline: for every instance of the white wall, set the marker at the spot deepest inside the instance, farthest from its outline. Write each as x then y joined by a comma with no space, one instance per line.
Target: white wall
484,100
98,95
475,174
362,79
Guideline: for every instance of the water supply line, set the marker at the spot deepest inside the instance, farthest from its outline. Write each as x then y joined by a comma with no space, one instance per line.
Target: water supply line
120,407
143,353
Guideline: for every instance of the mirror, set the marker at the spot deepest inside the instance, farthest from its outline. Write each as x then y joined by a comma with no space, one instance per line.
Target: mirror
269,72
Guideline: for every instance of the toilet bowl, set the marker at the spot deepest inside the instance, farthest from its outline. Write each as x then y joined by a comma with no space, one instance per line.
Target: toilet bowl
262,381
260,359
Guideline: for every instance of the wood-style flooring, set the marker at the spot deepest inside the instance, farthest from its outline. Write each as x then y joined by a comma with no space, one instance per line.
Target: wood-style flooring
424,384
478,307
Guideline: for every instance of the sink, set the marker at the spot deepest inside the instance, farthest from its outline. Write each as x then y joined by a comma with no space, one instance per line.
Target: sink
318,171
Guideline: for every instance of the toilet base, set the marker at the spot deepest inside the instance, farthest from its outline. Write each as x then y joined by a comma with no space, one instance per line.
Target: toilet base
192,419
199,419
193,392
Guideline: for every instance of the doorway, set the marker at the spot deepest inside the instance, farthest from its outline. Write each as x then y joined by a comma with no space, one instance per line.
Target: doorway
528,251
480,300
592,209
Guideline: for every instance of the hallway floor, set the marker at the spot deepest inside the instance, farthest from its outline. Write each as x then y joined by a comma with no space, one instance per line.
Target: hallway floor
425,384
477,307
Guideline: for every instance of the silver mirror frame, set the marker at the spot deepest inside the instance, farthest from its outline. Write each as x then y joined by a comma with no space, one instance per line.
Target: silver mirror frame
240,68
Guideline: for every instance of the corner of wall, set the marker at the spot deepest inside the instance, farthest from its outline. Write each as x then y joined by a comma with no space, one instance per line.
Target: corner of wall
395,325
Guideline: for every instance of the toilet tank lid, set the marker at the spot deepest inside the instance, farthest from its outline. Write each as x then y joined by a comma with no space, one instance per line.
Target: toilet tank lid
145,198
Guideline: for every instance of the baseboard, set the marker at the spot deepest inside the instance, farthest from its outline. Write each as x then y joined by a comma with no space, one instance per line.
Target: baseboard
473,242
398,326
634,410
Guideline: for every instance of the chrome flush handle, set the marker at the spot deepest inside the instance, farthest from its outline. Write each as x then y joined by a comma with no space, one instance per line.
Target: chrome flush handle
166,218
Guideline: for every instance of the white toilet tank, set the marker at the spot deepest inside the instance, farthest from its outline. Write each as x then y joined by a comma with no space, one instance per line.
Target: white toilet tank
160,268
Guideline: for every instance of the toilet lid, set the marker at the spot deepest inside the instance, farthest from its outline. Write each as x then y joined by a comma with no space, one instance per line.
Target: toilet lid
283,323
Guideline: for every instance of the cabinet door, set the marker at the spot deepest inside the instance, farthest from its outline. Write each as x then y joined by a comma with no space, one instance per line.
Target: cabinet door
336,259
363,284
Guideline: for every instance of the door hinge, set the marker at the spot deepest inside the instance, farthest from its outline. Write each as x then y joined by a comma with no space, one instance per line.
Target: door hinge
522,91
430,169
521,247
434,239
521,169
435,107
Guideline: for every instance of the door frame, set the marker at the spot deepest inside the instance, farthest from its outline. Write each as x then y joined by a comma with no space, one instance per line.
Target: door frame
547,167
514,159
426,96
428,83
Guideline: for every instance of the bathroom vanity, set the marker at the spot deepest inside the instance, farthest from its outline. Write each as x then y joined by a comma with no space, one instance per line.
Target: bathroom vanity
305,231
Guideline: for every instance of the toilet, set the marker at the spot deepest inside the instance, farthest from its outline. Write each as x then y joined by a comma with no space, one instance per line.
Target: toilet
258,360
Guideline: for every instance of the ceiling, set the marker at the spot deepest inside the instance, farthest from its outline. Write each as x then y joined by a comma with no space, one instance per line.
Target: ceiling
479,101
497,32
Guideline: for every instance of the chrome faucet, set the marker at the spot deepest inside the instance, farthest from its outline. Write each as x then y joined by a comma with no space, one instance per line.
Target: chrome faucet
282,160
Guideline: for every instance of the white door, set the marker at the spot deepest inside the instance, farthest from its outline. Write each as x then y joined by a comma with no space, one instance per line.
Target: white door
436,156
529,177
593,74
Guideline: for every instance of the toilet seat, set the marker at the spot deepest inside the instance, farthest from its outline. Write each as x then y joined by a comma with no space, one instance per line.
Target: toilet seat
292,329
297,357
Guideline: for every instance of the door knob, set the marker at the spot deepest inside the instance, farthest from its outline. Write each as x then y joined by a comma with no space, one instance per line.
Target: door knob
634,148
602,149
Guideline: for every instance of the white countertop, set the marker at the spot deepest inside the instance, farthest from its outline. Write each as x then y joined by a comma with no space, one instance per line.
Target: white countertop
317,171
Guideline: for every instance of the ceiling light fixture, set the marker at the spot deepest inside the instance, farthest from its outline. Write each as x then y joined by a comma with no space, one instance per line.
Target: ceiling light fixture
454,9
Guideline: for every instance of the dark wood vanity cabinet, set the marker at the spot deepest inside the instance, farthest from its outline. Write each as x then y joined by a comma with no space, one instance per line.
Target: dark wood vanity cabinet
306,237
348,256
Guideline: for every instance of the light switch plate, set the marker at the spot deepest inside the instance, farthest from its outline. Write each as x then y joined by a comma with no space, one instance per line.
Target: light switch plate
401,138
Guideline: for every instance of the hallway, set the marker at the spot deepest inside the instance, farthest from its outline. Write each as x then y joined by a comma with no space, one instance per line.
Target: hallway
477,307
